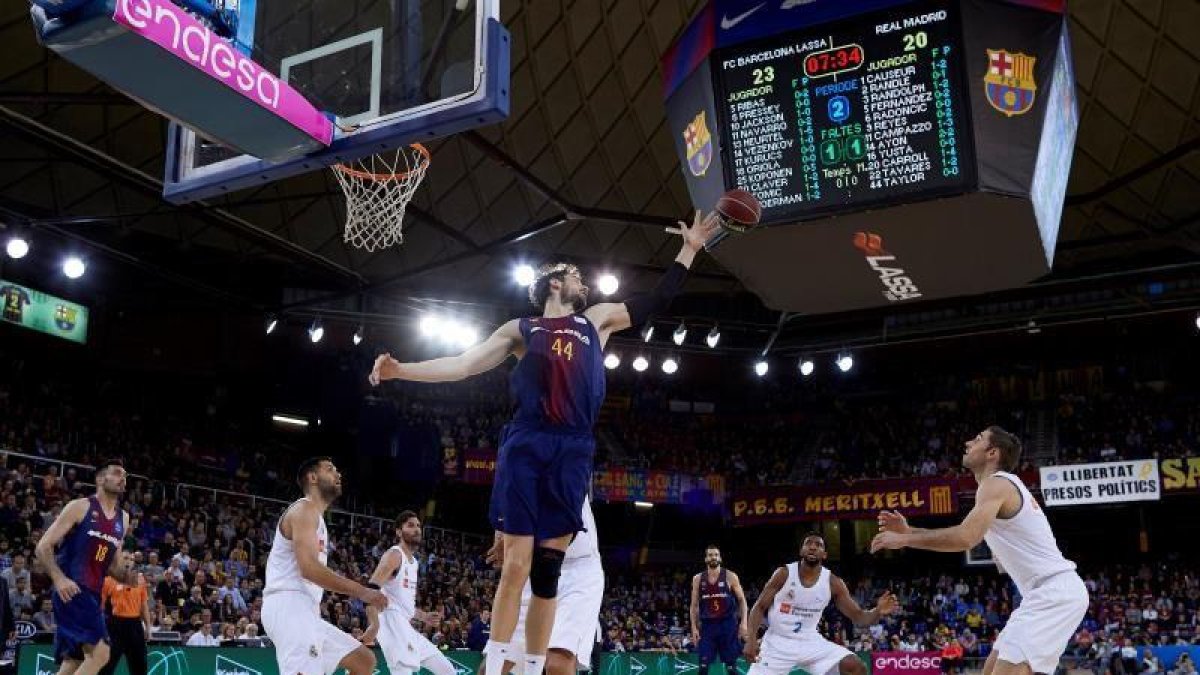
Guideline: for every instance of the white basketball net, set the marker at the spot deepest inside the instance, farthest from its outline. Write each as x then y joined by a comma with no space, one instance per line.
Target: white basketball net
378,189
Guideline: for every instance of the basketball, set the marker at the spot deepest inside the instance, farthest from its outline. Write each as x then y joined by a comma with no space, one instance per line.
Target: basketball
739,209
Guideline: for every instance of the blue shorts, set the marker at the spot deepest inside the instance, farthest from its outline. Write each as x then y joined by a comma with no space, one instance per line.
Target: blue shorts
80,623
541,481
718,638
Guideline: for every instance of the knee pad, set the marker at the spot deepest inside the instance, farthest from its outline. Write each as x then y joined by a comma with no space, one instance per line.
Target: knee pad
544,571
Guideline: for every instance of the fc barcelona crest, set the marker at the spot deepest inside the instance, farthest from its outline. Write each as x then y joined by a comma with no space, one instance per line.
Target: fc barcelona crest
699,145
1009,82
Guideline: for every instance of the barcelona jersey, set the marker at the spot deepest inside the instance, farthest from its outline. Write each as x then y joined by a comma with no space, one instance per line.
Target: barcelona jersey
558,385
716,601
86,553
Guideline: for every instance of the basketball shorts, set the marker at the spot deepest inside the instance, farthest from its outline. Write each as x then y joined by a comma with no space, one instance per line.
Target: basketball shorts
718,642
813,654
406,649
80,623
577,617
541,481
1039,629
304,644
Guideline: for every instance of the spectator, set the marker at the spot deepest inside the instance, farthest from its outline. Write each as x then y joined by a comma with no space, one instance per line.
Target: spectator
1184,665
203,637
952,657
44,617
481,630
19,598
1150,664
17,570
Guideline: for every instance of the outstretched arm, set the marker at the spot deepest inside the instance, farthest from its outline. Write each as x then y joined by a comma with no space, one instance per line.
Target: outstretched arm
861,617
482,357
964,536
611,317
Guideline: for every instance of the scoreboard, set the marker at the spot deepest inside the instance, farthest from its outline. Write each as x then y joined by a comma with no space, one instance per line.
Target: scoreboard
848,115
903,150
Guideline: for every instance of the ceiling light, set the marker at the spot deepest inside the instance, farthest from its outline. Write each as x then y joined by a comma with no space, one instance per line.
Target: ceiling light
807,367
316,331
640,364
713,337
612,361
669,366
761,367
17,247
272,323
608,284
845,362
73,267
680,334
358,335
524,275
647,332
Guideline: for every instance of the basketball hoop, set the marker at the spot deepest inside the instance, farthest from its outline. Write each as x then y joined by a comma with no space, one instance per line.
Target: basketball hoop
378,189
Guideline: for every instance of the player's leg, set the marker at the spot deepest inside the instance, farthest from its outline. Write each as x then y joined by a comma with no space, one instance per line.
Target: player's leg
513,511
94,658
990,664
561,493
361,661
561,661
68,667
851,665
730,646
1002,667
706,650
544,571
116,650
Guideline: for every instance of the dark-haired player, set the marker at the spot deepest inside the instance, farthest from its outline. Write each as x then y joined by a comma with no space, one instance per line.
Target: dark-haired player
718,627
545,458
1053,597
90,531
793,602
297,578
405,650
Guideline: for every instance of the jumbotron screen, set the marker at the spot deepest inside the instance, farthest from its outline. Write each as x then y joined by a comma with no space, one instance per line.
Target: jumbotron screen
836,118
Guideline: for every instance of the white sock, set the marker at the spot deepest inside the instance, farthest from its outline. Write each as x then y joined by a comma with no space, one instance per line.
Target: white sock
497,654
534,664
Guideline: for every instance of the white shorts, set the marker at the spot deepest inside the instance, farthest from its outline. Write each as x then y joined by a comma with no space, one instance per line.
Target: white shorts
403,647
1038,631
813,654
304,644
577,617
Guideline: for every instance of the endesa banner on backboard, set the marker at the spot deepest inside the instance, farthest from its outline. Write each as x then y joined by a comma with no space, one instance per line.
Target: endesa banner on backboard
1103,483
857,500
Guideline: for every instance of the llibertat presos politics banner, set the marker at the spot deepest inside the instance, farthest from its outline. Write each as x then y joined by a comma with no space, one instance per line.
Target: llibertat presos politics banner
1103,483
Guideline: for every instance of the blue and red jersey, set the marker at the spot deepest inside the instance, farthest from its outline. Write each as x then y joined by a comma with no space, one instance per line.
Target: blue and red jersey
86,553
716,601
559,384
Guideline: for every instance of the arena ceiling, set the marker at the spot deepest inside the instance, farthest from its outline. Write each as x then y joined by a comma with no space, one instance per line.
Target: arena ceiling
584,168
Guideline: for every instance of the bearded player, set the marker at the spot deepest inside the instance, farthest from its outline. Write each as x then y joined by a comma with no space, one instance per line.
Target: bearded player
718,628
1006,516
544,463
90,531
793,602
397,573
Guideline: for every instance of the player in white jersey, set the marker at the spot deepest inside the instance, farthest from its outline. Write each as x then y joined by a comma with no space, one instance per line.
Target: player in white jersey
297,578
405,650
580,594
792,603
1009,519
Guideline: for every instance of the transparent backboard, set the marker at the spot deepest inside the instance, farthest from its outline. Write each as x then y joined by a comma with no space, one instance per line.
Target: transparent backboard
391,71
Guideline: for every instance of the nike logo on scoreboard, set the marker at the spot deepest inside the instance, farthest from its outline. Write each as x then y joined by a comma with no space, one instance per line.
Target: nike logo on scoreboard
727,23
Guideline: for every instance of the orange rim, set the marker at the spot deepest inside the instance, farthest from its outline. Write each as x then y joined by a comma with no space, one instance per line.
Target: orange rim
380,177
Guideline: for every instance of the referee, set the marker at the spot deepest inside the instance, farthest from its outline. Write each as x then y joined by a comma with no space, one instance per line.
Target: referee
128,609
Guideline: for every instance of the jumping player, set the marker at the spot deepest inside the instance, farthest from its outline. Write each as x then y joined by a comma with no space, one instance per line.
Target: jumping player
297,578
580,594
1006,516
93,529
716,630
405,650
793,602
544,463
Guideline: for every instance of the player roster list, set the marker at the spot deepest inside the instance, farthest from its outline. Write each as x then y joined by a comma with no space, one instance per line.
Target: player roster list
870,111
